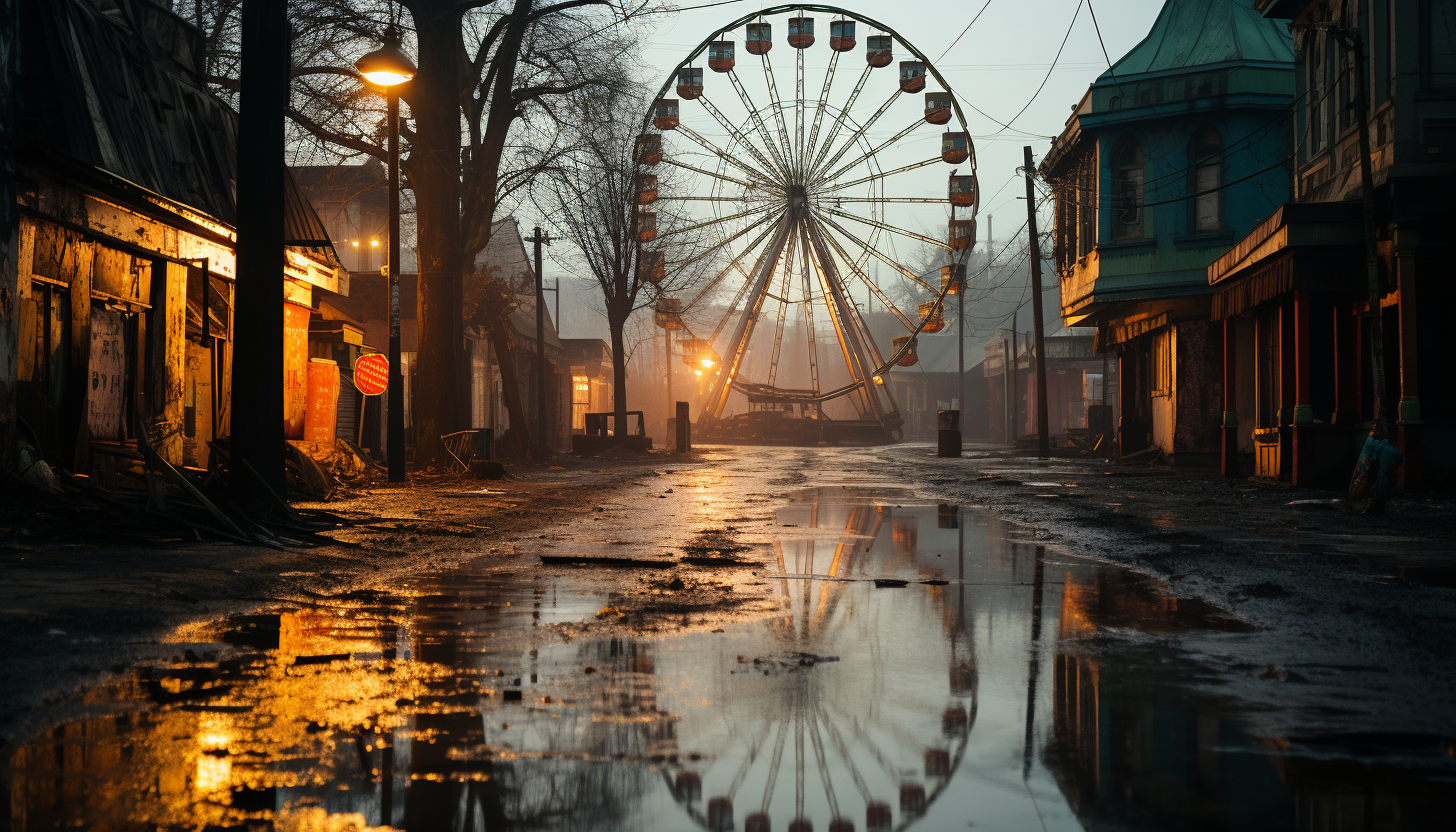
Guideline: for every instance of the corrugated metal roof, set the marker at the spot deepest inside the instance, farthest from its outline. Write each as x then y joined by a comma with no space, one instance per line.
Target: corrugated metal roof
1193,33
115,85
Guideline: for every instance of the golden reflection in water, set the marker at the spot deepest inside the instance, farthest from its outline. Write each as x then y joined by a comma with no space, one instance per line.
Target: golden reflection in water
264,722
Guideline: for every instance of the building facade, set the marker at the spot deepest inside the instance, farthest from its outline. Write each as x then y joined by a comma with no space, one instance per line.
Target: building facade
1293,296
1173,153
120,319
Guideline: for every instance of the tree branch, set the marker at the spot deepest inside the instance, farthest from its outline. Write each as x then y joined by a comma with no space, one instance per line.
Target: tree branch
333,137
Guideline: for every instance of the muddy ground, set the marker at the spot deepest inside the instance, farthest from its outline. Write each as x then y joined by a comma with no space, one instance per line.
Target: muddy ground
1354,603
73,610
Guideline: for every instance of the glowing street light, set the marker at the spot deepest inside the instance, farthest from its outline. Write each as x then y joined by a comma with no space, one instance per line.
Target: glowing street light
389,67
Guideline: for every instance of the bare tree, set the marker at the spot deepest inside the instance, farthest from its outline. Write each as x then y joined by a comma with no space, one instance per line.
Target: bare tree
484,122
593,198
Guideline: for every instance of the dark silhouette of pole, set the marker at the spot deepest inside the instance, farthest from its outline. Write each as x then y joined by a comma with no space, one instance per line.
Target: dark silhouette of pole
257,421
539,239
395,431
1043,440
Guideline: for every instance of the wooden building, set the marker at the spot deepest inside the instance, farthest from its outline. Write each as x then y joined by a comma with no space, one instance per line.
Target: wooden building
1170,156
122,313
1292,295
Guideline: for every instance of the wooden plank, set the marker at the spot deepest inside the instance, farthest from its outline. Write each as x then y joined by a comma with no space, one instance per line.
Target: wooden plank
174,366
74,263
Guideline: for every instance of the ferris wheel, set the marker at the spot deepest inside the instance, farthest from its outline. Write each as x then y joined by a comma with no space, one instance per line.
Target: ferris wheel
815,181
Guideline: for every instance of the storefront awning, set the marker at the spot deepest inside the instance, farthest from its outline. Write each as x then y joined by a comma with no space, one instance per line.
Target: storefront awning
1316,247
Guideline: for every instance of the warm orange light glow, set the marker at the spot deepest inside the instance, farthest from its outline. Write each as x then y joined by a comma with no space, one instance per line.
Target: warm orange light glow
698,373
879,380
374,242
356,244
707,363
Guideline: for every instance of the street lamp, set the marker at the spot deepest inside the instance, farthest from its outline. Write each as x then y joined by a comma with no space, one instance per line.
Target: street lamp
388,67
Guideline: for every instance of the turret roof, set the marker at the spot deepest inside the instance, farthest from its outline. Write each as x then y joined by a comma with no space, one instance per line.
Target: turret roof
1194,33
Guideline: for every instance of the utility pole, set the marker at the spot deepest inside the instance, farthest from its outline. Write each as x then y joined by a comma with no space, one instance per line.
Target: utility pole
539,239
257,439
1372,255
1043,441
1013,383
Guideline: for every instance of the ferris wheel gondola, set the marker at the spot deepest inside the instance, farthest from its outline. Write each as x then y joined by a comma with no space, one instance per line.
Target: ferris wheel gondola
792,186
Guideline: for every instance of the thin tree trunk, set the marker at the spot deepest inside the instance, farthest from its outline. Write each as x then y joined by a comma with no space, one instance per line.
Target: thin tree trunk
619,376
510,386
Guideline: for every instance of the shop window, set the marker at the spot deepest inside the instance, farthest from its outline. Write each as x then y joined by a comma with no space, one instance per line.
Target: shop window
1162,362
580,397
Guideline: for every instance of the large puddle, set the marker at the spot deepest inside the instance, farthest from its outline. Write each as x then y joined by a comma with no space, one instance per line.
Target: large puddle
925,668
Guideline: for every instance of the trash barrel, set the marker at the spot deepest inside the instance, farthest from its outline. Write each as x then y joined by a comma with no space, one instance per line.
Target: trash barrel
950,433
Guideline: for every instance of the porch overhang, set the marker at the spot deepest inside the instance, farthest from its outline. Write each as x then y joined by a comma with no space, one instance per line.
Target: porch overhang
1314,247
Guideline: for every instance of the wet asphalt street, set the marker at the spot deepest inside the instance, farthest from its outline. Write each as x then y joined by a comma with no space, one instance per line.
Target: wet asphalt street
797,639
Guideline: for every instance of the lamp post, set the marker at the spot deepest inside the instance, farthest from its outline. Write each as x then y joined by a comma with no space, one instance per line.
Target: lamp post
388,67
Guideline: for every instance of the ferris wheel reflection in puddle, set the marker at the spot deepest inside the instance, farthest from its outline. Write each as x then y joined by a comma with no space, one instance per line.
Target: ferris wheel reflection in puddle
867,709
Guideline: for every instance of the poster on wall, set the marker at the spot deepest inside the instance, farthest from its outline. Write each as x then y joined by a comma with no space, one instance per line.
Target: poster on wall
104,392
295,369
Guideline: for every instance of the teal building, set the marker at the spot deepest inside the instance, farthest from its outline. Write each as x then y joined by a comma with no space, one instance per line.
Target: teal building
1177,151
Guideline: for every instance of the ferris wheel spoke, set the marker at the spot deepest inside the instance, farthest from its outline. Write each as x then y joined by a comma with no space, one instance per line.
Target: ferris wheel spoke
764,268
799,112
860,333
876,253
777,108
838,739
823,103
839,122
671,232
842,317
738,135
773,364
709,173
875,151
809,329
752,247
709,252
864,278
773,766
716,151
823,760
762,127
884,226
863,128
934,160
882,200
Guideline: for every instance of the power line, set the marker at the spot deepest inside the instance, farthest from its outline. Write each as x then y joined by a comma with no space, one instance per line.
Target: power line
963,32
1058,56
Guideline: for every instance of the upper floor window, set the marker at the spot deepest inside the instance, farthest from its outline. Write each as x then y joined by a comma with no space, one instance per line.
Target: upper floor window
1207,164
1127,190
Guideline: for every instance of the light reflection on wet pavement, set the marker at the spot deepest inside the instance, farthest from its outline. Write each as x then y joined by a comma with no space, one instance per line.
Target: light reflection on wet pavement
923,667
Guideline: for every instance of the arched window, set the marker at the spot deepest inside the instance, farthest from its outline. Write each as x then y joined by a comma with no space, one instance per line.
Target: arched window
1207,165
1127,190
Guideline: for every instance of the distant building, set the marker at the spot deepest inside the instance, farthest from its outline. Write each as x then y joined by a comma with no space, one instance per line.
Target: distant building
505,258
590,363
1292,295
1172,154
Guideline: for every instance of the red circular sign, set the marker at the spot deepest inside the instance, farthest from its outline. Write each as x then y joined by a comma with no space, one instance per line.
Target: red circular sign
371,374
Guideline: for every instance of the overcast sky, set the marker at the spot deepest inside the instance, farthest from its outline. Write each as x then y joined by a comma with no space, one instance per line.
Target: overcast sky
996,67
